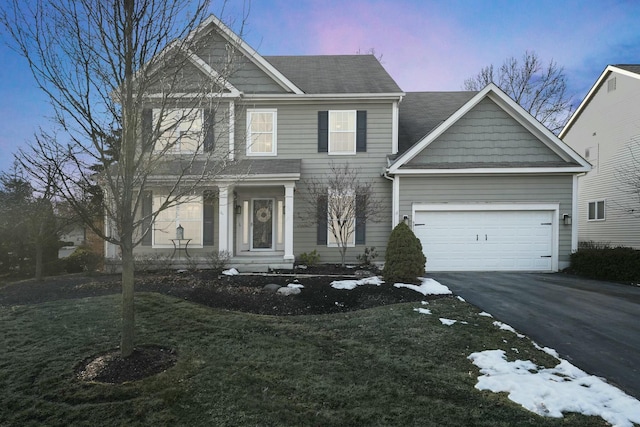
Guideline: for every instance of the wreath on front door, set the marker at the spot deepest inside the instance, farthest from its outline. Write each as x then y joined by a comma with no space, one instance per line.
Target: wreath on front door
263,214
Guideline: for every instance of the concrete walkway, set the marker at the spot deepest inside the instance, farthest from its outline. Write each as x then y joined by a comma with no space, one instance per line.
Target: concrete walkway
594,325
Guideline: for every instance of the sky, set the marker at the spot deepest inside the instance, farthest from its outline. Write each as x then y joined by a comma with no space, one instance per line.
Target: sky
425,45
548,392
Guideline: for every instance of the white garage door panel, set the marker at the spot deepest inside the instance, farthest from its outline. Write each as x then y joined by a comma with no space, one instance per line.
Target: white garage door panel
486,240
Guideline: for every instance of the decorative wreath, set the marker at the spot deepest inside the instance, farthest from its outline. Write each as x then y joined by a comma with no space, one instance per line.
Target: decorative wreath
263,214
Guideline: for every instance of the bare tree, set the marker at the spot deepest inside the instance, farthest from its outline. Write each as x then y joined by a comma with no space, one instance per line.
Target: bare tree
123,68
341,203
539,88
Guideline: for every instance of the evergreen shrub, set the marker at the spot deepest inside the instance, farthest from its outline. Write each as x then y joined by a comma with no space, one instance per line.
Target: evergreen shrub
404,259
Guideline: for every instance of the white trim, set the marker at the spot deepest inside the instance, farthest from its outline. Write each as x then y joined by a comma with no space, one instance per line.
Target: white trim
274,132
516,112
323,96
587,99
395,110
232,130
395,201
574,215
485,171
288,221
223,218
249,52
554,208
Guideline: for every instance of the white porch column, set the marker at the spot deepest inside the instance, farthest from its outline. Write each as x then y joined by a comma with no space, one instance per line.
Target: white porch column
223,218
288,222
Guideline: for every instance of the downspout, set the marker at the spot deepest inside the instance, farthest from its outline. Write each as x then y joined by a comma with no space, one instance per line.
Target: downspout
395,197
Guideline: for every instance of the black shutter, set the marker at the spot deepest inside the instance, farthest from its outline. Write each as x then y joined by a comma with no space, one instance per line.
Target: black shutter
209,142
361,222
322,220
323,131
207,218
147,126
361,132
147,207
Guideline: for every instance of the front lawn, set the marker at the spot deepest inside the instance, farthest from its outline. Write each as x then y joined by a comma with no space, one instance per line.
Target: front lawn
389,365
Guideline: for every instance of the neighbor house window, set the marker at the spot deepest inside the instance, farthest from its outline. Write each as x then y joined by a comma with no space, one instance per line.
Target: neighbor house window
596,210
261,132
341,218
181,130
188,213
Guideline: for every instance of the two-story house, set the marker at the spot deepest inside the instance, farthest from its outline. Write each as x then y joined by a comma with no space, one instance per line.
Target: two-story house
481,182
605,129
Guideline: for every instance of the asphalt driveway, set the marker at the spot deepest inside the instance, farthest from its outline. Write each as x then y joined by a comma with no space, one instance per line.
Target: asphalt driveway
594,325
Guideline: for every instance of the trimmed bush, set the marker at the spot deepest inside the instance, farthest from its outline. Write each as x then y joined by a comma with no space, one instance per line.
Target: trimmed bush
81,260
404,260
605,263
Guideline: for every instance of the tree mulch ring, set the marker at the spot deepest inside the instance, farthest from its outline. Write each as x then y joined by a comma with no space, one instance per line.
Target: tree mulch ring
112,368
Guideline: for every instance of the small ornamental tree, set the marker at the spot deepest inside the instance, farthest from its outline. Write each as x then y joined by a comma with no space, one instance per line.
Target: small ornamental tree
404,259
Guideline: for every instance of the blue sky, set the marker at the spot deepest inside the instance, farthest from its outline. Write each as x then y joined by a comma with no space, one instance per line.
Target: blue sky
426,45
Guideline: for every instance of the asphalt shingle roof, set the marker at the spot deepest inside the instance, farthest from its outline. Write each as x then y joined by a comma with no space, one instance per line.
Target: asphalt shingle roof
336,73
421,112
634,68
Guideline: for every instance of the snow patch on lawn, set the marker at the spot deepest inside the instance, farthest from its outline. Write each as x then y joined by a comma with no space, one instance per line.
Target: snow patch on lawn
231,272
551,391
447,322
505,327
352,284
422,310
485,314
427,287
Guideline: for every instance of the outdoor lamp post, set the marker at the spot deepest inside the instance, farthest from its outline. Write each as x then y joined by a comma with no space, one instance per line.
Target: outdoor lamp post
179,233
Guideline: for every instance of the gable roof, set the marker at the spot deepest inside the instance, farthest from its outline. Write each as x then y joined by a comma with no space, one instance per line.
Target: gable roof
421,112
339,74
572,161
629,70
214,22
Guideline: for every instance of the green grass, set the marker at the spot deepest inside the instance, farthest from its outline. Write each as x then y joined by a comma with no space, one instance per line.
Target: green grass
383,366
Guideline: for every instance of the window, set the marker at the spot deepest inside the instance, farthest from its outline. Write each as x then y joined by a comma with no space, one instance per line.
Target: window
261,132
181,130
342,132
596,210
188,214
341,218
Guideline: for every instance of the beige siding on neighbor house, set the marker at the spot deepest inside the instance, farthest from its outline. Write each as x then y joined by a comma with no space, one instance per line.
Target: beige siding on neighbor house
555,189
486,134
607,134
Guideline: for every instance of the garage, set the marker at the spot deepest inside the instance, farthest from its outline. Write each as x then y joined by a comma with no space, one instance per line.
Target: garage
494,238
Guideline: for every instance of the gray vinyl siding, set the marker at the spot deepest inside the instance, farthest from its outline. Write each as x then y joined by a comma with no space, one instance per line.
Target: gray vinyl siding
609,128
486,134
554,189
241,72
297,136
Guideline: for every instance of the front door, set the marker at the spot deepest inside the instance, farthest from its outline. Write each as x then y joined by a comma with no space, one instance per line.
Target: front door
262,224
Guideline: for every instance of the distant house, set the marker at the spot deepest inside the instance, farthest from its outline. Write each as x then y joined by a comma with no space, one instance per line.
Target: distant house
605,129
483,184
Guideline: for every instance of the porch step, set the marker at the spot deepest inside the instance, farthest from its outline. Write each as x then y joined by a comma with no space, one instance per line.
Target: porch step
259,264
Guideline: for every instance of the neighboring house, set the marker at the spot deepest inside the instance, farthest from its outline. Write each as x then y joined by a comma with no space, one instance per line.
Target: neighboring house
605,129
481,182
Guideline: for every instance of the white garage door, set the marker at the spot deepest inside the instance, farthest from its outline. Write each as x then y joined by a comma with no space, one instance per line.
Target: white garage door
486,240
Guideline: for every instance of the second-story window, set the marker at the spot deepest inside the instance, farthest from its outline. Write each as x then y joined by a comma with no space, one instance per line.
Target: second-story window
261,132
342,132
181,130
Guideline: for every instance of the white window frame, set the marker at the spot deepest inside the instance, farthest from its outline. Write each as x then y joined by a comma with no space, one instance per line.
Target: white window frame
330,132
274,132
176,220
193,127
331,239
595,206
